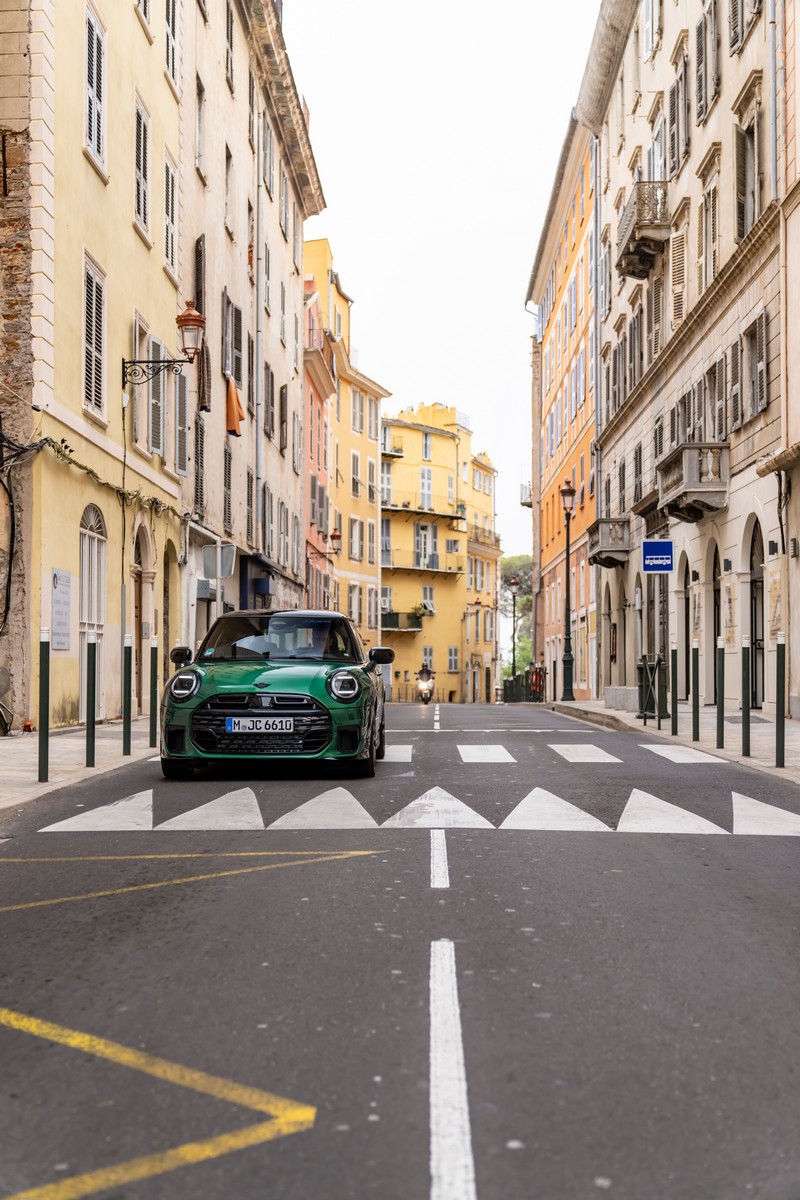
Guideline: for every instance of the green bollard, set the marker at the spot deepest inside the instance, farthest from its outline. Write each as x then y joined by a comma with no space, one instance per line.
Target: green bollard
780,701
44,704
91,688
720,693
673,666
745,697
695,691
154,691
127,657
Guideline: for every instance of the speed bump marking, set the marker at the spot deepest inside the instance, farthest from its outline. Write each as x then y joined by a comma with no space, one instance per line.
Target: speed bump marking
286,1116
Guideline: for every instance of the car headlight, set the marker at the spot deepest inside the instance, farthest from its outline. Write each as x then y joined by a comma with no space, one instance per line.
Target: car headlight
344,686
184,685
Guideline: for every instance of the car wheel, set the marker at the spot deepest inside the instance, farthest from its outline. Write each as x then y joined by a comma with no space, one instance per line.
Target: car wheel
381,750
171,769
365,767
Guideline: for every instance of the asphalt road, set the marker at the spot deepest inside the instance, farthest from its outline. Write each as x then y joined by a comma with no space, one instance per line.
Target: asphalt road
412,1001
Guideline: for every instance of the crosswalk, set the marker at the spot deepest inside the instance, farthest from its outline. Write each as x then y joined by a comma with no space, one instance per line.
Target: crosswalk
571,752
436,808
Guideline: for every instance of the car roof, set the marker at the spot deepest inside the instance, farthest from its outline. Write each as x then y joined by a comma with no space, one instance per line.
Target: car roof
284,612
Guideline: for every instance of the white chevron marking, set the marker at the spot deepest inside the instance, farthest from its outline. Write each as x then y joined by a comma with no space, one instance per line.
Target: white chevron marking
334,809
647,814
234,810
755,817
542,810
133,812
437,809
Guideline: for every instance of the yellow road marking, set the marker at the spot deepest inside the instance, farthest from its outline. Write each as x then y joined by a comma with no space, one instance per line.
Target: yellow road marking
288,1116
142,887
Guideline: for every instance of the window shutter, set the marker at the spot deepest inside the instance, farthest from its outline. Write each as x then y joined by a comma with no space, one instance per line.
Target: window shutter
134,401
226,334
181,424
673,130
761,361
736,384
237,372
678,277
700,42
227,463
736,23
94,88
658,310
698,411
740,159
650,322
720,424
155,414
93,342
713,33
673,425
701,256
199,466
284,418
200,274
313,501
615,379
251,379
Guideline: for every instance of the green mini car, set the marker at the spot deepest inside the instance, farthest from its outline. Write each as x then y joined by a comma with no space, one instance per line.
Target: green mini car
296,684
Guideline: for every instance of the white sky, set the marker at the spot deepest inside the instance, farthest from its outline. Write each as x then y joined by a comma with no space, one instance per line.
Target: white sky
437,127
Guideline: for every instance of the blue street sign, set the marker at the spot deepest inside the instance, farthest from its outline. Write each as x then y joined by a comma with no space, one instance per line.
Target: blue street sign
658,557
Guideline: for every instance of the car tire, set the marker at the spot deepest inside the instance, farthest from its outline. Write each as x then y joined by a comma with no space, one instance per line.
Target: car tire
365,767
380,752
171,769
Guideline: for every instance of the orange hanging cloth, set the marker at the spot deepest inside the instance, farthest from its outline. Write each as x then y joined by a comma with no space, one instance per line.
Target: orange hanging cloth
234,410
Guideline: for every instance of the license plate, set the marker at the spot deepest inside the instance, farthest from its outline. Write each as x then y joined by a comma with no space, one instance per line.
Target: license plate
259,724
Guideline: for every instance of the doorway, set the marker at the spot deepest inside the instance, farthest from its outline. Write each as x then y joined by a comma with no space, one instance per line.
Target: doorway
716,576
757,618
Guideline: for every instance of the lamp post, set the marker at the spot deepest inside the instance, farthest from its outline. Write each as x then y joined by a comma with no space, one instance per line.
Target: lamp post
568,500
513,587
191,326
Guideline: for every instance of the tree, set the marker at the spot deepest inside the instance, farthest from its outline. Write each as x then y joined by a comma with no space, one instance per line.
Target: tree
519,567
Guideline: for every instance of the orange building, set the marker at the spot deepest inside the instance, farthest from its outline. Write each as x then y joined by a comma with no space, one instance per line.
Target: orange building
562,285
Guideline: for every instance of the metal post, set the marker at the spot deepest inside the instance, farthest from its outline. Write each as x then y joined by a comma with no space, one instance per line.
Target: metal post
513,636
91,703
745,697
695,691
567,658
127,656
673,667
659,665
153,691
720,693
44,704
780,701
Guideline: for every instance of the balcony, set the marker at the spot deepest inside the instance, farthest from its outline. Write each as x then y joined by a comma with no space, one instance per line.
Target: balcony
693,480
610,541
643,229
417,502
413,560
483,537
526,495
392,447
401,622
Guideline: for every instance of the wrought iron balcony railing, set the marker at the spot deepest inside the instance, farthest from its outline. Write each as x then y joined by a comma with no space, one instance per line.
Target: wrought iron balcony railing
643,229
526,495
401,622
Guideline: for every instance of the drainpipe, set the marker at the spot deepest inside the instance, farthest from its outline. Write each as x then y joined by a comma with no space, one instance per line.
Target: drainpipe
773,101
598,458
259,332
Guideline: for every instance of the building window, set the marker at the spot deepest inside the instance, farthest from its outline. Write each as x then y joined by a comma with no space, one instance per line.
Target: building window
250,506
622,487
678,114
227,472
199,462
228,191
386,542
229,43
283,313
95,87
283,202
427,599
707,58
386,483
354,603
427,443
746,177
170,222
251,109
156,400
371,485
452,658
386,599
142,170
357,411
200,127
93,337
373,418
370,541
92,598
171,38
355,472
426,487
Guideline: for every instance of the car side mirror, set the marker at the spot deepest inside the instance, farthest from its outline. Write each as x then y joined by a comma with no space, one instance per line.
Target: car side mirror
381,654
180,656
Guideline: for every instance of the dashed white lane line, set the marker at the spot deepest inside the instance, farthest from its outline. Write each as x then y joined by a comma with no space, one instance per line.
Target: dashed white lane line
452,1163
682,754
436,717
485,754
586,753
400,754
440,872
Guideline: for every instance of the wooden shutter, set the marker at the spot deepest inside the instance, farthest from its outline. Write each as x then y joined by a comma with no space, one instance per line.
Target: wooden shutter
226,334
672,129
711,202
142,170
712,84
237,372
720,423
251,381
700,43
701,247
199,467
313,502
615,379
200,274
658,311
204,379
761,362
650,323
94,87
736,23
678,277
155,409
227,508
673,425
134,401
284,417
736,384
740,195
698,411
181,424
93,341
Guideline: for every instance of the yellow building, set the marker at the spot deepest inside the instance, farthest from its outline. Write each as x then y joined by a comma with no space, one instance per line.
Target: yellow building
439,555
354,457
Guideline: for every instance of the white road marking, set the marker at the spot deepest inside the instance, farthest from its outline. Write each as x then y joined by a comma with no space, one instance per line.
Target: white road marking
485,754
682,754
156,759
543,810
440,873
132,812
398,753
647,814
452,1164
586,753
335,809
234,810
756,817
437,809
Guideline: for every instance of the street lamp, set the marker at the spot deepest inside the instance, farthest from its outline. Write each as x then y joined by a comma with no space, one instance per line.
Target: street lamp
568,500
191,326
513,587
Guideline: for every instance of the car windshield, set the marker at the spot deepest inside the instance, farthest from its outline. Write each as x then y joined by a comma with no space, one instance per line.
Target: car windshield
253,636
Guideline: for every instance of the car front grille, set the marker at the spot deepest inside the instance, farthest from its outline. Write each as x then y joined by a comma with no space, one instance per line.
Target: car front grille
312,725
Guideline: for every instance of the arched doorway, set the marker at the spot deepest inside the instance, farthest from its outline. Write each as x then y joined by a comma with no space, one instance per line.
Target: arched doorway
757,618
92,605
716,578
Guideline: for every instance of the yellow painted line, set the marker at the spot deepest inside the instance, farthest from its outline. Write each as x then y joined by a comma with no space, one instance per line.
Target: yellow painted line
142,887
144,857
288,1116
155,1164
160,1068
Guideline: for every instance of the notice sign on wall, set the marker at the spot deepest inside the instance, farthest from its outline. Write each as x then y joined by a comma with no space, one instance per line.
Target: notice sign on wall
60,610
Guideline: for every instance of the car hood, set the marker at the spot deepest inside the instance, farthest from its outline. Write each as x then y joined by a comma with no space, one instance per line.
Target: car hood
266,676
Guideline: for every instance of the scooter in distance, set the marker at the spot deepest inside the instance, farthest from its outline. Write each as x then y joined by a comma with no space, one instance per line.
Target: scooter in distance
425,690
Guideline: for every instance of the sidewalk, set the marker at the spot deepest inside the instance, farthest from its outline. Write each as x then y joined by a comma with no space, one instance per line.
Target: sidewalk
762,732
19,758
